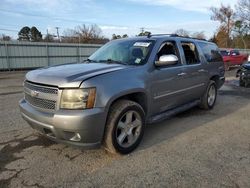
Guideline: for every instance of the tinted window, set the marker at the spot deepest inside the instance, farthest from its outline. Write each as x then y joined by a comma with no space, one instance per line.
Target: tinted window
211,52
190,52
225,53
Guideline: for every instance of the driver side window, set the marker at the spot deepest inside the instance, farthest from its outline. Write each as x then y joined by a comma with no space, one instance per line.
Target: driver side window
167,48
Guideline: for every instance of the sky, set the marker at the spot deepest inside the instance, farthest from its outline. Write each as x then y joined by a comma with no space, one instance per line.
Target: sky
112,16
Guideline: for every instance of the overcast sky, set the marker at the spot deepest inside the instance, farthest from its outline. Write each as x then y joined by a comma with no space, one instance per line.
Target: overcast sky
112,16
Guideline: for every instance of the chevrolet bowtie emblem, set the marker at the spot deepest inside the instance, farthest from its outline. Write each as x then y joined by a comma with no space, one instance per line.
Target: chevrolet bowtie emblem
34,93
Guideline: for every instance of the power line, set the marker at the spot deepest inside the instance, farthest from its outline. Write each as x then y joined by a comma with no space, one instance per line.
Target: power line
142,29
10,30
55,18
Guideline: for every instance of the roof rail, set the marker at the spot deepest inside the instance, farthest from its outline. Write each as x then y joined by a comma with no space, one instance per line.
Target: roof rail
174,35
171,35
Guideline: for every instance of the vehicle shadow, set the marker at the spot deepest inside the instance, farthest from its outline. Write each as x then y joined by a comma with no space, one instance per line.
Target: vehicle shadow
195,117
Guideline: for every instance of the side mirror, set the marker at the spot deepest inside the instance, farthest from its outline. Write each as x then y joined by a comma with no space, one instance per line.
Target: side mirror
165,60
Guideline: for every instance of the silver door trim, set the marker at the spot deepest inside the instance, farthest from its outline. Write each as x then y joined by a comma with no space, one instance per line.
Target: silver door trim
179,91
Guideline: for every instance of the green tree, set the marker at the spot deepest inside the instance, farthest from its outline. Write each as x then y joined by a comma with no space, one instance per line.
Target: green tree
125,36
118,36
35,35
144,33
24,34
114,37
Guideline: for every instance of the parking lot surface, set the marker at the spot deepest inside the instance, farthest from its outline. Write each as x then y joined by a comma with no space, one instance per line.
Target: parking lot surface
193,149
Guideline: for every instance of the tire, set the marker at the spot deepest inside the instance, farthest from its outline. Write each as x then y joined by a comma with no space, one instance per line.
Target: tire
124,127
207,102
241,83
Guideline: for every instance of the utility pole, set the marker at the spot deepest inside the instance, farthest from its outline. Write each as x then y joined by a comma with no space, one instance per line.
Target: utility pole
142,29
57,31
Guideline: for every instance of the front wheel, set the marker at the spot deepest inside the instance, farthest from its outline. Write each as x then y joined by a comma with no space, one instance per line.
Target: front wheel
209,98
241,82
125,127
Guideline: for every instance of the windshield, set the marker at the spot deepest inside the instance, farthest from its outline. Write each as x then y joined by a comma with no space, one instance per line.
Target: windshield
130,52
224,53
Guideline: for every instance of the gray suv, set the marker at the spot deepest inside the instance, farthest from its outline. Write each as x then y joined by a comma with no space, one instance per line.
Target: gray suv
126,84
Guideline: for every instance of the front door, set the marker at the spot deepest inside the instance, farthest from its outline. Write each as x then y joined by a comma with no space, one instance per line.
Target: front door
167,82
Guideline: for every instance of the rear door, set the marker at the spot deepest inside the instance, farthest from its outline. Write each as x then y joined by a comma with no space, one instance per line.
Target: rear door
195,75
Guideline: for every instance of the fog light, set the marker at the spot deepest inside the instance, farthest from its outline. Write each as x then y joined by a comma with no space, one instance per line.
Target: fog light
76,137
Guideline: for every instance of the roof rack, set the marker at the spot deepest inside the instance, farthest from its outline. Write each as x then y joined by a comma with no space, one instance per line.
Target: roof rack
174,35
171,35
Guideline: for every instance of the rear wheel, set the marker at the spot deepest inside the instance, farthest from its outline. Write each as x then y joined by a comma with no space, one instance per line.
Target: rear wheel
125,127
209,98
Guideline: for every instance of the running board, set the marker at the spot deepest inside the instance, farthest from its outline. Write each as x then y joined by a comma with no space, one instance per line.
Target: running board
169,113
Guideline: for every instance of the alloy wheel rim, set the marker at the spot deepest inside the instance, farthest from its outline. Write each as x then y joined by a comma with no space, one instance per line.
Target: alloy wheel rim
128,129
211,95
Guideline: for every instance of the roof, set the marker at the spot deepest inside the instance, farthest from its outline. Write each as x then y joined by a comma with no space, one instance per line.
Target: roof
164,36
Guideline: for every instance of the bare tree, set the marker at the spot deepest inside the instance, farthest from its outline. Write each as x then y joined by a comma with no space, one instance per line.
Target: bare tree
89,32
84,34
225,15
243,10
182,32
4,37
199,35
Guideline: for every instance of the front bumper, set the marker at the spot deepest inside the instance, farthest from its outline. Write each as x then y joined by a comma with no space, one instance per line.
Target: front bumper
63,125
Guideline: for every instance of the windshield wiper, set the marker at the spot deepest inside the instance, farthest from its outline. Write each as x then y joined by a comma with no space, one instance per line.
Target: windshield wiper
110,61
90,61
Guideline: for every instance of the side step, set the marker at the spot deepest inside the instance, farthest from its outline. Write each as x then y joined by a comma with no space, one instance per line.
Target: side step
169,113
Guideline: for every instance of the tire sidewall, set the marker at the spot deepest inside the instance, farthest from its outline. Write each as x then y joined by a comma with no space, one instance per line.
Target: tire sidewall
114,140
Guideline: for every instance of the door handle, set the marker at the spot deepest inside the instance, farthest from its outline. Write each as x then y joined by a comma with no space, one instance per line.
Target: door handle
202,70
182,74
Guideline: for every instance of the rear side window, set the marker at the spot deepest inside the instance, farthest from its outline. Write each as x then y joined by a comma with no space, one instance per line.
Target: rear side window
190,52
211,52
235,52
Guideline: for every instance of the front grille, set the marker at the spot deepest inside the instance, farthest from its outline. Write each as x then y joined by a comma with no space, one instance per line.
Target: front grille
40,88
42,97
41,103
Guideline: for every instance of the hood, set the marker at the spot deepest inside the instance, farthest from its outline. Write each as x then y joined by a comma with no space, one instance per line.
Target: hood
246,66
70,75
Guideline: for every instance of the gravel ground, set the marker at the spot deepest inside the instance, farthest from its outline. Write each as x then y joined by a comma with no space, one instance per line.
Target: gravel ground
193,149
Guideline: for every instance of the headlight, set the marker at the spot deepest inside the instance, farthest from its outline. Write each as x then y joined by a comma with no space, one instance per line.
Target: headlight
78,98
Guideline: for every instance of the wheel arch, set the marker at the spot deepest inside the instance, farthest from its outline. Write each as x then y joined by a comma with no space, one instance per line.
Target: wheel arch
216,79
138,96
